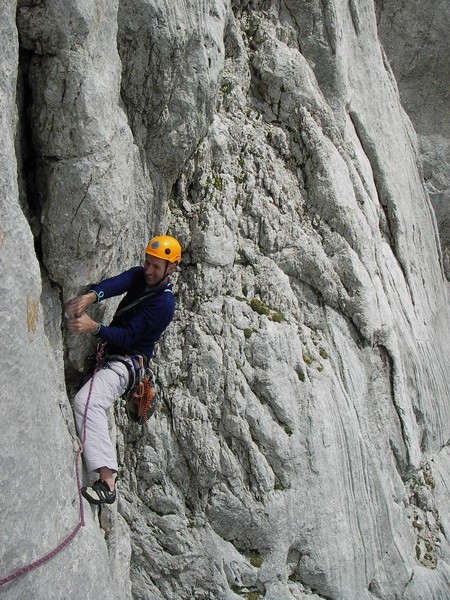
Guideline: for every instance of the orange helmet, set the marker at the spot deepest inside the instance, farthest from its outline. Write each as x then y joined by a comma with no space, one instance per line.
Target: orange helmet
165,247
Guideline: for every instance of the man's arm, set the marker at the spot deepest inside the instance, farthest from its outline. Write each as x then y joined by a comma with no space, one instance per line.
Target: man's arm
78,321
119,284
114,286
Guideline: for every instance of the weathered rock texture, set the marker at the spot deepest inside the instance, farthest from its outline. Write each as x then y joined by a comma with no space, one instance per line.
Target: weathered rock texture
415,38
302,445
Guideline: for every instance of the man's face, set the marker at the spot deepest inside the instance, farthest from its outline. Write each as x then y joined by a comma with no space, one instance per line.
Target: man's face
154,269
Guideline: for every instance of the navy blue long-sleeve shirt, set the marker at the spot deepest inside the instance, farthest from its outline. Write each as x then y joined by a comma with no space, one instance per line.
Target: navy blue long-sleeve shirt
137,329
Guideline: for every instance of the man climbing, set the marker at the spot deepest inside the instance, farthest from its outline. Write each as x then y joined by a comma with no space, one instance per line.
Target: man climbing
140,319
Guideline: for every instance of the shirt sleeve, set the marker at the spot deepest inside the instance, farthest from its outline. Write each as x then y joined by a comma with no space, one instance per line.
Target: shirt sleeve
118,285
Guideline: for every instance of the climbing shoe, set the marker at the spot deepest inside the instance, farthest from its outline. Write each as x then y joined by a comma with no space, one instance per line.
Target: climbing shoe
99,493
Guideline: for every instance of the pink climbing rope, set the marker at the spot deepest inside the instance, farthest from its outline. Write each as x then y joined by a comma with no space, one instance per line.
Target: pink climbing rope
80,524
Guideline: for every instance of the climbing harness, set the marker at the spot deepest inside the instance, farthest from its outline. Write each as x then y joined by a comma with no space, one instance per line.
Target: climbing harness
140,394
81,522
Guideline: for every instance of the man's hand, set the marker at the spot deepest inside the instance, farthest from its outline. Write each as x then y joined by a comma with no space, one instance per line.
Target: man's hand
82,324
77,306
77,319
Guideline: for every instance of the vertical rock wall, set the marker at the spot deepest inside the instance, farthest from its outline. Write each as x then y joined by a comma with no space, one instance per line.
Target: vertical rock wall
39,500
414,37
301,448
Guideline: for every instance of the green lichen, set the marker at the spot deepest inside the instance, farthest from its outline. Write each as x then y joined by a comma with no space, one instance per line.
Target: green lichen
278,486
256,560
429,481
262,309
218,182
247,333
241,178
226,88
288,430
277,316
301,375
323,353
164,409
307,358
259,307
416,481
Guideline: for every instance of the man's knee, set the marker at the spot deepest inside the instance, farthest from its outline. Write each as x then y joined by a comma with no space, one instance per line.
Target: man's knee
79,402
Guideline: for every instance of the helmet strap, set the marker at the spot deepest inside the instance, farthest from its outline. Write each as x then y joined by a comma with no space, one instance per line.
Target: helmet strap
161,279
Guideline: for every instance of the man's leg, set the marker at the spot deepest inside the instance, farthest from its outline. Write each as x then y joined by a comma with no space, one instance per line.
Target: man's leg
98,451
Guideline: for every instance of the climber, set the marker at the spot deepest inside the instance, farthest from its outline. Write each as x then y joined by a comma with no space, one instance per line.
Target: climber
141,317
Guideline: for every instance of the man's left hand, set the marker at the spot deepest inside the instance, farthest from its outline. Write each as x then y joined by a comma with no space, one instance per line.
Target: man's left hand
82,324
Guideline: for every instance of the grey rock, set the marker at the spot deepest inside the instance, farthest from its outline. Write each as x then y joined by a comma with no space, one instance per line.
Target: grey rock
301,445
415,39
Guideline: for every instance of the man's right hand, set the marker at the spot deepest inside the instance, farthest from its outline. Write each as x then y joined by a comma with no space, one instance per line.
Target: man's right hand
78,305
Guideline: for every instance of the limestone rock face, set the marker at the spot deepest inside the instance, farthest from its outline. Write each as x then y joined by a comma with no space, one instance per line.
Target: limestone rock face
301,447
415,39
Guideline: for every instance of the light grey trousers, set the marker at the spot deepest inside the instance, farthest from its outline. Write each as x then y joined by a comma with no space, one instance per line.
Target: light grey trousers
109,384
